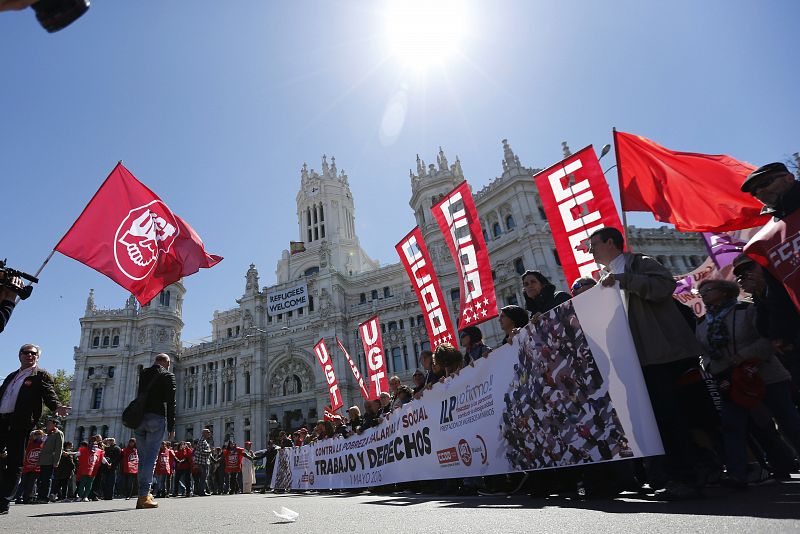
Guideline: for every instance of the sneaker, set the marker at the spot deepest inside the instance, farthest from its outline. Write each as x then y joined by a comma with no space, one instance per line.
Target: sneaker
677,491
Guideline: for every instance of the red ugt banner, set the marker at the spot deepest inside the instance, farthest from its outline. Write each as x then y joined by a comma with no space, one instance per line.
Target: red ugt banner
127,233
354,368
330,375
577,201
376,359
458,220
415,258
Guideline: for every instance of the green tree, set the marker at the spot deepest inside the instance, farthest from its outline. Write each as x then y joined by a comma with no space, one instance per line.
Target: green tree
61,382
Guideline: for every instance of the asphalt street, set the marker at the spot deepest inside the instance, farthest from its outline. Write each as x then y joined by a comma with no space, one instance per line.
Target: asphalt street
772,508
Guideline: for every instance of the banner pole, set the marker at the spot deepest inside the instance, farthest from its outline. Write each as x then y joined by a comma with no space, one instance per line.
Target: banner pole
619,184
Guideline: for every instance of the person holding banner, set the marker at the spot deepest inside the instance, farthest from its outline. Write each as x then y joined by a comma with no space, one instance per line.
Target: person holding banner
540,294
471,339
666,348
512,318
776,247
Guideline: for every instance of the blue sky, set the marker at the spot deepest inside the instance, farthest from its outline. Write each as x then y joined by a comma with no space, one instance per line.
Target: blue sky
216,105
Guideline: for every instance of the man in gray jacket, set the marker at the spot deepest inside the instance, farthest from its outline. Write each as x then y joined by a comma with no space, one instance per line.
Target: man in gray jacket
48,459
666,347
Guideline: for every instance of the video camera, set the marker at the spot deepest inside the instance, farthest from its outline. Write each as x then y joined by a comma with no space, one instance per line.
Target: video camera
7,274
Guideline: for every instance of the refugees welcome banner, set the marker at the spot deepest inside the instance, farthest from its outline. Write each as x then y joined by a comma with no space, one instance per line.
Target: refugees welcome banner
568,391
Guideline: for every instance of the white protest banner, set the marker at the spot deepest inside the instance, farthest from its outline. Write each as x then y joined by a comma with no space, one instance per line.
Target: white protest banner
287,299
569,391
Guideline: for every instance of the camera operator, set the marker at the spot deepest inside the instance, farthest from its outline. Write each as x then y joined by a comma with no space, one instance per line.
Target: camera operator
8,299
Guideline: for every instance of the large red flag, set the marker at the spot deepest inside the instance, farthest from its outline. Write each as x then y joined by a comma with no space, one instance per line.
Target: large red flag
127,233
415,258
458,220
577,201
695,192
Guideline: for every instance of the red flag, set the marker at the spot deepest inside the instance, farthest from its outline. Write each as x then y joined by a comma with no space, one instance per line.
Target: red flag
695,192
458,220
370,331
415,258
577,201
330,375
328,414
354,368
127,233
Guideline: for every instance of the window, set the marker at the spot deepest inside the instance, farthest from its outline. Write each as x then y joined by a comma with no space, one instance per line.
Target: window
188,433
163,298
210,394
494,275
542,214
96,342
311,271
97,397
310,303
392,326
322,230
280,317
229,393
115,341
510,224
496,230
79,436
237,330
455,294
512,300
397,360
191,398
374,294
362,298
289,314
92,431
387,292
383,328
90,372
300,311
401,325
230,332
111,371
519,266
411,322
485,235
246,383
555,255
105,341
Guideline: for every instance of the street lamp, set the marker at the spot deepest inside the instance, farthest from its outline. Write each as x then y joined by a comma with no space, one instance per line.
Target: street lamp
605,150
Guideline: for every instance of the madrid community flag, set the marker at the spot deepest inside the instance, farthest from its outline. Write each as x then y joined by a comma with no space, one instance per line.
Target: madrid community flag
127,233
695,192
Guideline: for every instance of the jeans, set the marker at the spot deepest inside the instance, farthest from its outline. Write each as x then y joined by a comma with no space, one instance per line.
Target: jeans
44,482
183,478
149,436
109,481
202,476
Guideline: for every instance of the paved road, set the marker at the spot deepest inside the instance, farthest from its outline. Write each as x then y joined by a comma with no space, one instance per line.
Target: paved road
774,508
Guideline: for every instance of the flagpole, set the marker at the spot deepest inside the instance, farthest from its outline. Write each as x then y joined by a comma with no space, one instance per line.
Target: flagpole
619,184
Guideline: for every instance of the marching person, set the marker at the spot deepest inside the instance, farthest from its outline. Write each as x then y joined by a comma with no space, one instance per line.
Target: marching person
471,339
159,416
30,467
248,469
130,468
666,348
21,398
774,246
202,461
540,294
233,466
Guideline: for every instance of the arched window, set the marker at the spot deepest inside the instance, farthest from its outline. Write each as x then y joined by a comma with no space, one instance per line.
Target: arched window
455,294
496,230
115,341
392,326
80,435
485,235
96,342
111,371
374,294
104,431
315,215
387,292
397,360
308,216
322,231
510,224
92,430
310,303
163,298
321,213
519,266
105,341
311,271
292,385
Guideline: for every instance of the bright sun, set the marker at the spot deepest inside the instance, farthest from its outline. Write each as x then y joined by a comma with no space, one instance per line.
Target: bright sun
422,33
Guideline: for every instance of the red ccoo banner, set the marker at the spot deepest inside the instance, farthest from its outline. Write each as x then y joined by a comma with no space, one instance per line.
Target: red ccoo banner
370,331
326,363
577,201
415,258
354,368
458,220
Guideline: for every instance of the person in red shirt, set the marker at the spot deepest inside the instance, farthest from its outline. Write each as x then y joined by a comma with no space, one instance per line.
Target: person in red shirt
163,468
30,465
130,467
183,470
90,457
233,466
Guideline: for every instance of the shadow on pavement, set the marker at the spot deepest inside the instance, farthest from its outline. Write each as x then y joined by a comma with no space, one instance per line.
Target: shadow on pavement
86,512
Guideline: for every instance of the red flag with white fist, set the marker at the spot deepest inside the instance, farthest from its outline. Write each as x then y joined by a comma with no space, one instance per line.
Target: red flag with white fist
127,233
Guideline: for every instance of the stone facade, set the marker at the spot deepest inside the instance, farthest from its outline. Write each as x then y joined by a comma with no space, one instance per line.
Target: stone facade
258,368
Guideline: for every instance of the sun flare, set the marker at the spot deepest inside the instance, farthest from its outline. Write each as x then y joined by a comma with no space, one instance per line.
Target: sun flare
423,33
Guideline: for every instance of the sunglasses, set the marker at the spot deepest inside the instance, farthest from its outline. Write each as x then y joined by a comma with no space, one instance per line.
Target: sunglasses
28,352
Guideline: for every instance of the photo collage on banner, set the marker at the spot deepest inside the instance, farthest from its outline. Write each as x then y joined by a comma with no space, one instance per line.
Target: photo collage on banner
568,391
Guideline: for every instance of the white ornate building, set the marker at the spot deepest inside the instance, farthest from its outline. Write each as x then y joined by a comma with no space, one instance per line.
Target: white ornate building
258,368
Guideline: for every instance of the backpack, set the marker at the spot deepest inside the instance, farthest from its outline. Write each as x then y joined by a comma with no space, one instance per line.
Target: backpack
133,414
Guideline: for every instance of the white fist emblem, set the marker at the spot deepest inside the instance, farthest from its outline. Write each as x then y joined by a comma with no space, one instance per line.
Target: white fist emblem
145,233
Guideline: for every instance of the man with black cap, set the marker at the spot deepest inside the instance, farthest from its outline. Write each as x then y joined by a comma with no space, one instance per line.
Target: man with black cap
776,247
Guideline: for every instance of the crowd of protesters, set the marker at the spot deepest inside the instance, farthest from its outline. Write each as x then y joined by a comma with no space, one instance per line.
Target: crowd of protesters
723,388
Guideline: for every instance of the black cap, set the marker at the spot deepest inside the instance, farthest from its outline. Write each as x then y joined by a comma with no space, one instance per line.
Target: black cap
740,261
769,170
